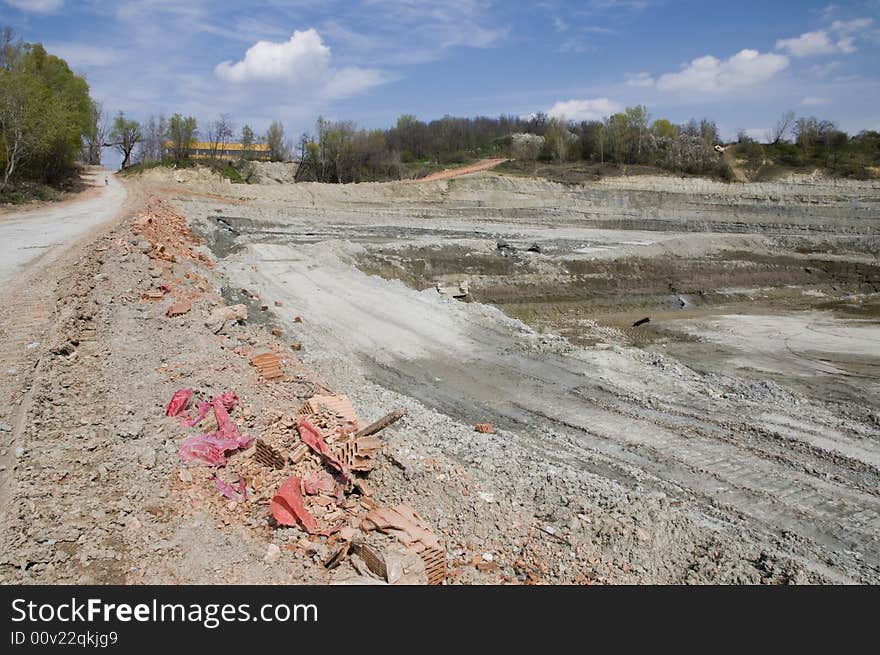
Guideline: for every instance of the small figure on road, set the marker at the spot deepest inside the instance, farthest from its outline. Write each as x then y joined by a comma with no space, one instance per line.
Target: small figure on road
106,182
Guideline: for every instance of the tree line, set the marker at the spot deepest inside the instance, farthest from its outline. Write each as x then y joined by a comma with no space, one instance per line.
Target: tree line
49,122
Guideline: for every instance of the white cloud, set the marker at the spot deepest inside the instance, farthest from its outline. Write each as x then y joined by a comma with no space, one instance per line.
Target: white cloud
296,60
850,26
584,110
808,44
710,74
37,6
847,45
815,101
347,82
639,79
82,54
303,61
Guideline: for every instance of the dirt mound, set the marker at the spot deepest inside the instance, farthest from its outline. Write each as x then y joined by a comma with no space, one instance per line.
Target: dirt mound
275,172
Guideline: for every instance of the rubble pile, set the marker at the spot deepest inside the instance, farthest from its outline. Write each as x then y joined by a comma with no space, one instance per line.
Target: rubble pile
308,472
304,469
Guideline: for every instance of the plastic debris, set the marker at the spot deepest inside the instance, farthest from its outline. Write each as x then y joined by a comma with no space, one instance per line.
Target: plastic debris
210,449
312,438
202,412
179,401
288,509
236,492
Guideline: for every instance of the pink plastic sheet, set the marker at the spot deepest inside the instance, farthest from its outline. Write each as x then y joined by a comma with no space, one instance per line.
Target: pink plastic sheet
313,439
179,401
210,449
237,491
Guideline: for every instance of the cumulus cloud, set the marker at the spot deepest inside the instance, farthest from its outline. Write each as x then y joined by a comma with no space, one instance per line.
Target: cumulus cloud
37,6
710,74
808,44
295,60
303,61
584,110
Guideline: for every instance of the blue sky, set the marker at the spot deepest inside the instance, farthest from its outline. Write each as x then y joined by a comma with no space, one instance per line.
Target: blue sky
741,63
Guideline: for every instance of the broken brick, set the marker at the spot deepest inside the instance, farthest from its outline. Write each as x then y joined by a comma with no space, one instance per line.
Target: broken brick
179,308
268,364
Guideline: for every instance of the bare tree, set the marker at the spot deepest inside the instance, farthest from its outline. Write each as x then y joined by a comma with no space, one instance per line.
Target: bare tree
96,136
153,147
220,133
783,125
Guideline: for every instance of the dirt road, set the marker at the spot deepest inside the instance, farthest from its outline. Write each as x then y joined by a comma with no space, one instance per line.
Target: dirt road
35,241
40,234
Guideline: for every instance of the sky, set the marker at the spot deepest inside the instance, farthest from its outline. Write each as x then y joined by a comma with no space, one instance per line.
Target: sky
740,63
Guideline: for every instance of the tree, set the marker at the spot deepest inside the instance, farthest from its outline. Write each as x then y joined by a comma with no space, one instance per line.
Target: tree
45,111
125,136
247,141
155,133
181,134
278,147
783,125
18,131
664,129
557,139
96,135
220,134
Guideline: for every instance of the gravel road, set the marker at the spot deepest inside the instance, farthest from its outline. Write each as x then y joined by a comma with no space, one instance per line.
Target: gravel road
40,234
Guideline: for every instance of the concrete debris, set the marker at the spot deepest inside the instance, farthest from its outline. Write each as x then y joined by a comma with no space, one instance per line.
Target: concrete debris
222,317
402,522
273,554
461,290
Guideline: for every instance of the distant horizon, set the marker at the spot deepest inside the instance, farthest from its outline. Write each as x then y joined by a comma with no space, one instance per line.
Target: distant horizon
373,60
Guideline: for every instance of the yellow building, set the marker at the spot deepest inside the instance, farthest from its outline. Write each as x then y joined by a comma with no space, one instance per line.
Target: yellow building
207,150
